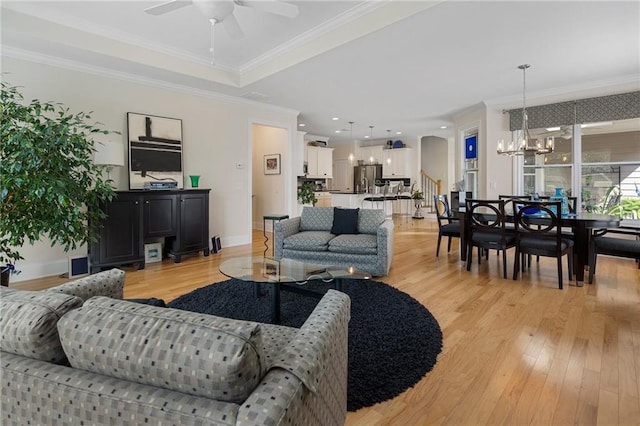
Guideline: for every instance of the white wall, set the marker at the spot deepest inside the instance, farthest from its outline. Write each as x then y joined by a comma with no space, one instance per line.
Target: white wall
495,174
434,152
268,190
216,138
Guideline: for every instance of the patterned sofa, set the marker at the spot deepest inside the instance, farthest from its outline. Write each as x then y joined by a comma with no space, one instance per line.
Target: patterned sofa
70,355
367,246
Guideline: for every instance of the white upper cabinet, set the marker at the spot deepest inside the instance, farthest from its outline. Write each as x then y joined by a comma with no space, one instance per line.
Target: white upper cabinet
396,163
371,154
319,162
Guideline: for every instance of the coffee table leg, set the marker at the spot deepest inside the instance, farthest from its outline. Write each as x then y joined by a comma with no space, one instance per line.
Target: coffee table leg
275,303
338,284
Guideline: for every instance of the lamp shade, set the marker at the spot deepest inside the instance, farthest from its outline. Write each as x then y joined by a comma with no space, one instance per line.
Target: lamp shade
109,153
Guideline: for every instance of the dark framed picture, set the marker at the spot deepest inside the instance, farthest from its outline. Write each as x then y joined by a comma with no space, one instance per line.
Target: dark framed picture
155,151
272,164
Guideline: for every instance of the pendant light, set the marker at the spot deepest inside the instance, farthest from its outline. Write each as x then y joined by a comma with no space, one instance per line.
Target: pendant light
371,159
352,155
524,143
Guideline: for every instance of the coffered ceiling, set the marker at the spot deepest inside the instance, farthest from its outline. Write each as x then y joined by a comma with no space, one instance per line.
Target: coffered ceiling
408,66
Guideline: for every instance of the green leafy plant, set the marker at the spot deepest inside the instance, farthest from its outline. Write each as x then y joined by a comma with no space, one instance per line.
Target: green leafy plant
49,185
306,194
417,195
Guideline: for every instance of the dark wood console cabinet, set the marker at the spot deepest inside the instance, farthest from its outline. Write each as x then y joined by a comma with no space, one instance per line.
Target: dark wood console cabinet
179,216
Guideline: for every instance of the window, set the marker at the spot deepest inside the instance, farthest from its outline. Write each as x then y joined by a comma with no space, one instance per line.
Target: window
610,177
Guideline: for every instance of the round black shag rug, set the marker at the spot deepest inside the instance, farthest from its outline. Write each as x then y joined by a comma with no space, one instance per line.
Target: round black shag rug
393,340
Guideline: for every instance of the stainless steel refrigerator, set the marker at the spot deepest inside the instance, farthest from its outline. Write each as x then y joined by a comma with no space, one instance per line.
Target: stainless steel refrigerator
364,177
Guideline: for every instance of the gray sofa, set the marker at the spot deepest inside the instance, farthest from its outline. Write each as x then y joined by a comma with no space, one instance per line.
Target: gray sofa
309,238
72,356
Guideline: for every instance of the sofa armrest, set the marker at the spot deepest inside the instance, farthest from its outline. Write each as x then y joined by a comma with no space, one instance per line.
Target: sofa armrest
107,283
308,383
282,230
385,243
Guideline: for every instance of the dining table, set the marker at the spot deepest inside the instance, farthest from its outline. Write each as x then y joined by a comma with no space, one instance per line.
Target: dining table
581,223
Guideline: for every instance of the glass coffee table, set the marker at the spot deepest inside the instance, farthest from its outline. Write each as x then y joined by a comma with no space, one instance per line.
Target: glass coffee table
287,275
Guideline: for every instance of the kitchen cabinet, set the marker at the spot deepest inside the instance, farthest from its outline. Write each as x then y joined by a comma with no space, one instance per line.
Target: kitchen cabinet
396,163
299,154
181,217
319,162
369,153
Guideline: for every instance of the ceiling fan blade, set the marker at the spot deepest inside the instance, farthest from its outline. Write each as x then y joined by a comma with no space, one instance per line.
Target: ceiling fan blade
276,7
230,24
167,7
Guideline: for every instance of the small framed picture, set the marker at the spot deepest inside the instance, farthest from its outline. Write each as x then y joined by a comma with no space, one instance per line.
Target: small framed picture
272,164
270,268
153,252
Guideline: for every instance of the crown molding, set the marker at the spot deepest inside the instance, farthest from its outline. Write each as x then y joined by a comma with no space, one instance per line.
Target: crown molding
344,18
347,27
39,58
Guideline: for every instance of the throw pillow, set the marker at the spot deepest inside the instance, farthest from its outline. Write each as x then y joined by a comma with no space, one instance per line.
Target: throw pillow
345,221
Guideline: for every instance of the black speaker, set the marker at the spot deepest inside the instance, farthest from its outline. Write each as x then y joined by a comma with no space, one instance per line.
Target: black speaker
215,242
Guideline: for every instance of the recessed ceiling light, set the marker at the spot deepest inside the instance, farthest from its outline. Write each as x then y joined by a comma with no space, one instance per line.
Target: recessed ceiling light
301,124
335,119
337,131
552,129
366,136
398,133
443,127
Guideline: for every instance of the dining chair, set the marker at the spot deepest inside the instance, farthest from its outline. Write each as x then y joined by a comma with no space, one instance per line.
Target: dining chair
486,225
539,232
448,226
628,247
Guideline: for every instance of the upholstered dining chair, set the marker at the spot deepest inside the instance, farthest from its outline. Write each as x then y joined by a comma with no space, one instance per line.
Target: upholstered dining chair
487,231
539,232
448,226
628,247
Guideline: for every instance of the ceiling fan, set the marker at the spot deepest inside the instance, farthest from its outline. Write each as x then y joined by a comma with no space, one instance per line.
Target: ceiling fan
221,12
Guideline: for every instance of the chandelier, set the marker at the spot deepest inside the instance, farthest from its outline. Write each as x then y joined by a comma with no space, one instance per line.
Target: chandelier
524,144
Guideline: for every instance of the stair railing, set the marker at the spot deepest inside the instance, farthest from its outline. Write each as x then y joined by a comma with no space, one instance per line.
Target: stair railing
429,187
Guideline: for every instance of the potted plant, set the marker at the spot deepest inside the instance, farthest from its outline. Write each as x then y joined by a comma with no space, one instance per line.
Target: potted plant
417,196
49,185
306,194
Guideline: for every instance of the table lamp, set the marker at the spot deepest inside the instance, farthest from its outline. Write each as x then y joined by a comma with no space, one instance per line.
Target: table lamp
109,154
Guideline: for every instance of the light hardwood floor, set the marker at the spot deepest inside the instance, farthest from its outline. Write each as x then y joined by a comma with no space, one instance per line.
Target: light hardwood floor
515,352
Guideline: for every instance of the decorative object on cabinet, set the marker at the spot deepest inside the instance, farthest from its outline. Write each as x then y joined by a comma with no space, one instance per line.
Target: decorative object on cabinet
109,154
155,152
398,144
272,164
195,180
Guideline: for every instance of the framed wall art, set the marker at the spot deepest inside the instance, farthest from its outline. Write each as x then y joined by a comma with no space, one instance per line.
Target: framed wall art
272,164
155,152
